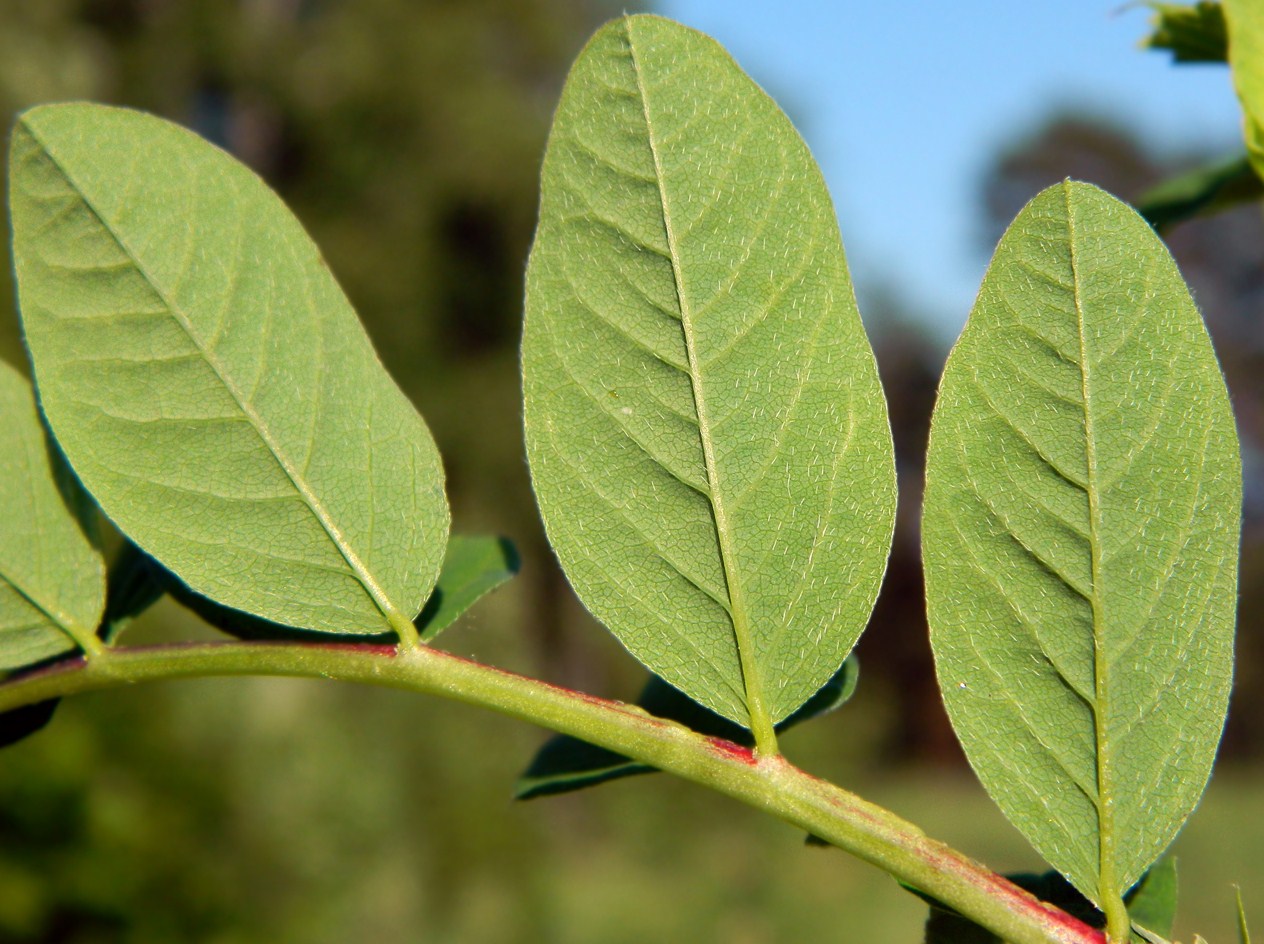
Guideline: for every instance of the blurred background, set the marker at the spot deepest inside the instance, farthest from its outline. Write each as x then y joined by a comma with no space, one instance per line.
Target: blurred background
407,137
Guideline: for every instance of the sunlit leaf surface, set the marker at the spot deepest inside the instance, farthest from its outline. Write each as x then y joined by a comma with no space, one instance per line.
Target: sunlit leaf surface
708,440
1081,538
208,380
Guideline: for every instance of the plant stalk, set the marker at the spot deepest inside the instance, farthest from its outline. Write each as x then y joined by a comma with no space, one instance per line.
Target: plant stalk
768,783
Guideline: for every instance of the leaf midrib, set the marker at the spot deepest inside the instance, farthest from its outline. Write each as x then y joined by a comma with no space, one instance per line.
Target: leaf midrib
760,721
1109,893
392,613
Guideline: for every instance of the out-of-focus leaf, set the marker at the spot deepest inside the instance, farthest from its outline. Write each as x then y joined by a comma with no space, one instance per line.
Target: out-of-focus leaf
208,380
20,723
708,439
52,578
133,586
1204,190
474,566
1245,20
566,763
1080,538
1152,901
1193,33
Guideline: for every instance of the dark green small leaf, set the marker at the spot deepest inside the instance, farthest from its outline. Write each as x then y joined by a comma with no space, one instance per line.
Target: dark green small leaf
1192,33
473,567
1152,901
21,723
1201,192
565,763
133,586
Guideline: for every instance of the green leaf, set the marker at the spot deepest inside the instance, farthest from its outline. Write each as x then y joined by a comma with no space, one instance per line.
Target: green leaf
209,381
474,566
707,436
1080,539
1192,33
1244,934
18,724
133,586
1152,901
1245,20
1204,190
52,578
567,763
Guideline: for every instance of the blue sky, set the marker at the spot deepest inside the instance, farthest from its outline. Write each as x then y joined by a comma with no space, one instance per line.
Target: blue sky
904,102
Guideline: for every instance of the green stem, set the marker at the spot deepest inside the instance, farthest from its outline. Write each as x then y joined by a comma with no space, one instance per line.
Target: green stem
404,628
768,783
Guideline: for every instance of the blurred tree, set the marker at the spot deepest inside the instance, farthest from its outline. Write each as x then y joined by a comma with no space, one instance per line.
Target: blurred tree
1066,145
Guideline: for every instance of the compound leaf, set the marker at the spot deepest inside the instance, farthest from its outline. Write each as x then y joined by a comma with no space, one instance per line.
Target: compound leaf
210,383
1080,539
707,436
52,578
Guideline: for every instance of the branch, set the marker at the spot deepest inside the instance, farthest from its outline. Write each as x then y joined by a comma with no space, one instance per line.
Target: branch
769,783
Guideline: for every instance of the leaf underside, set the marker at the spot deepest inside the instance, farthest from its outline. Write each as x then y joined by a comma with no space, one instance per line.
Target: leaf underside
474,566
1080,538
208,380
707,436
52,578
